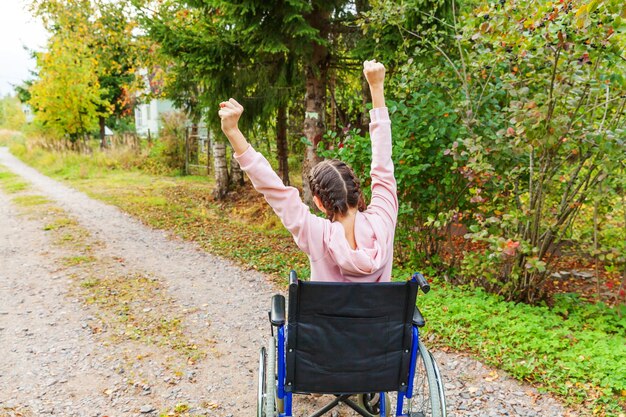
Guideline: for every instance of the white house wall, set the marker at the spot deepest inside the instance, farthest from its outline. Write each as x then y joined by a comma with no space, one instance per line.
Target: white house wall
147,116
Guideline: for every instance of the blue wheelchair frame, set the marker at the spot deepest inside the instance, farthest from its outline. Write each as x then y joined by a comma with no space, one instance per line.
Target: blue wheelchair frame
407,392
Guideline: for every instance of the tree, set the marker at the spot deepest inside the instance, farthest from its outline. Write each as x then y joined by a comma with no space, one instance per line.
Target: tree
278,52
117,50
67,96
96,40
209,62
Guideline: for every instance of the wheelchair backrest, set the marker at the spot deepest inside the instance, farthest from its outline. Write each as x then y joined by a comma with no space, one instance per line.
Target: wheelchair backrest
349,337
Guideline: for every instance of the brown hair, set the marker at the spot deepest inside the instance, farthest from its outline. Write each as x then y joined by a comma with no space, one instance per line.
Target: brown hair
335,184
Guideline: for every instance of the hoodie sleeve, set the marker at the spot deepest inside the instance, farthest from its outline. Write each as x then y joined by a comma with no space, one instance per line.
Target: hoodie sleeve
384,189
307,229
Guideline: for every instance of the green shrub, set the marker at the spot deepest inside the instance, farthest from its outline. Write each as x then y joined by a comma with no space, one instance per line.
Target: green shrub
169,149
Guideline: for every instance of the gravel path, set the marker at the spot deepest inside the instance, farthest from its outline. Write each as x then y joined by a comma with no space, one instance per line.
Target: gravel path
55,360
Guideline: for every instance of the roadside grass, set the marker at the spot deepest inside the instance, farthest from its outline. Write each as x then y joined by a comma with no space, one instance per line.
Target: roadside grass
30,200
78,260
67,233
10,137
11,183
75,237
60,223
575,350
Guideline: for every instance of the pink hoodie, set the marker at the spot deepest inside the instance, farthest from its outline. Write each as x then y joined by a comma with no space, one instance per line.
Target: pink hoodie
330,254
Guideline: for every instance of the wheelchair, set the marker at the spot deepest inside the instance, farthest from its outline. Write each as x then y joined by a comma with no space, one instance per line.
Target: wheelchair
356,341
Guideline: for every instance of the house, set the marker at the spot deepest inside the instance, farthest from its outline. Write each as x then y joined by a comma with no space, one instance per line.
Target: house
148,116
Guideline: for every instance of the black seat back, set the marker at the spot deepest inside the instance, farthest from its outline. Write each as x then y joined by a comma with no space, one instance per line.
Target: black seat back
349,337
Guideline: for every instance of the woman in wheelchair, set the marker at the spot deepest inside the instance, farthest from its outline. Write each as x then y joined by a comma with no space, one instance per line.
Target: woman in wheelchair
355,242
344,336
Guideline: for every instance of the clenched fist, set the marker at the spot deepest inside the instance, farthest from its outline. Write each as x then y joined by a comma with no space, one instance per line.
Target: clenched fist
374,73
230,112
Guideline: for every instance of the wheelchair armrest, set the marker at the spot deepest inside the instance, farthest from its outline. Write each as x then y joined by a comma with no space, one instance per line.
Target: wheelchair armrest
418,319
277,313
293,277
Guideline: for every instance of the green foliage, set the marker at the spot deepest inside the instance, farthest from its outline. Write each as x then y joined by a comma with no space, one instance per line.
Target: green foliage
117,50
67,95
573,349
506,119
601,225
213,50
560,69
401,30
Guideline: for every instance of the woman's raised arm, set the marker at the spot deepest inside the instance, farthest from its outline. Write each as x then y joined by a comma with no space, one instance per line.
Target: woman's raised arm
306,228
384,188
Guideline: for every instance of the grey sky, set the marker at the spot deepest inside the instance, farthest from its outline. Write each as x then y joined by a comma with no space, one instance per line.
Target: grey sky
17,29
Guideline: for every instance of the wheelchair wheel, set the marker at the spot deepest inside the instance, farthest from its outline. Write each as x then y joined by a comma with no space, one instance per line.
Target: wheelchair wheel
260,403
428,398
371,403
266,393
270,379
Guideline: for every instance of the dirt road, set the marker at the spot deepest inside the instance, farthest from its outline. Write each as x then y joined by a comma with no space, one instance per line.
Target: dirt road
103,316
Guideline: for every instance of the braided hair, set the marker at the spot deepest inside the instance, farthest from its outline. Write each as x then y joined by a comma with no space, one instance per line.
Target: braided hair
335,184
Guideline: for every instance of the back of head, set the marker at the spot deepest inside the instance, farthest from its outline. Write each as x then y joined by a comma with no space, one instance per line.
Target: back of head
335,184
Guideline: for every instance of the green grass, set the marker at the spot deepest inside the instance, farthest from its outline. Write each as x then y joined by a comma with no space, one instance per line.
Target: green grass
78,260
59,223
11,183
575,349
30,200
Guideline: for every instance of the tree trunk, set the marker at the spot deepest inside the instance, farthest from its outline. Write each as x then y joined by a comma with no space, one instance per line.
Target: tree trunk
101,123
281,144
333,103
315,100
364,121
193,144
221,170
362,6
236,174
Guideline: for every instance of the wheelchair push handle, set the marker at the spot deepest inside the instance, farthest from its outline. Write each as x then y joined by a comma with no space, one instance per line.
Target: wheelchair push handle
421,281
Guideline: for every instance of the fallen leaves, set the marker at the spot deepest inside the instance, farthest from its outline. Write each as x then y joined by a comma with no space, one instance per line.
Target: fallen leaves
493,376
